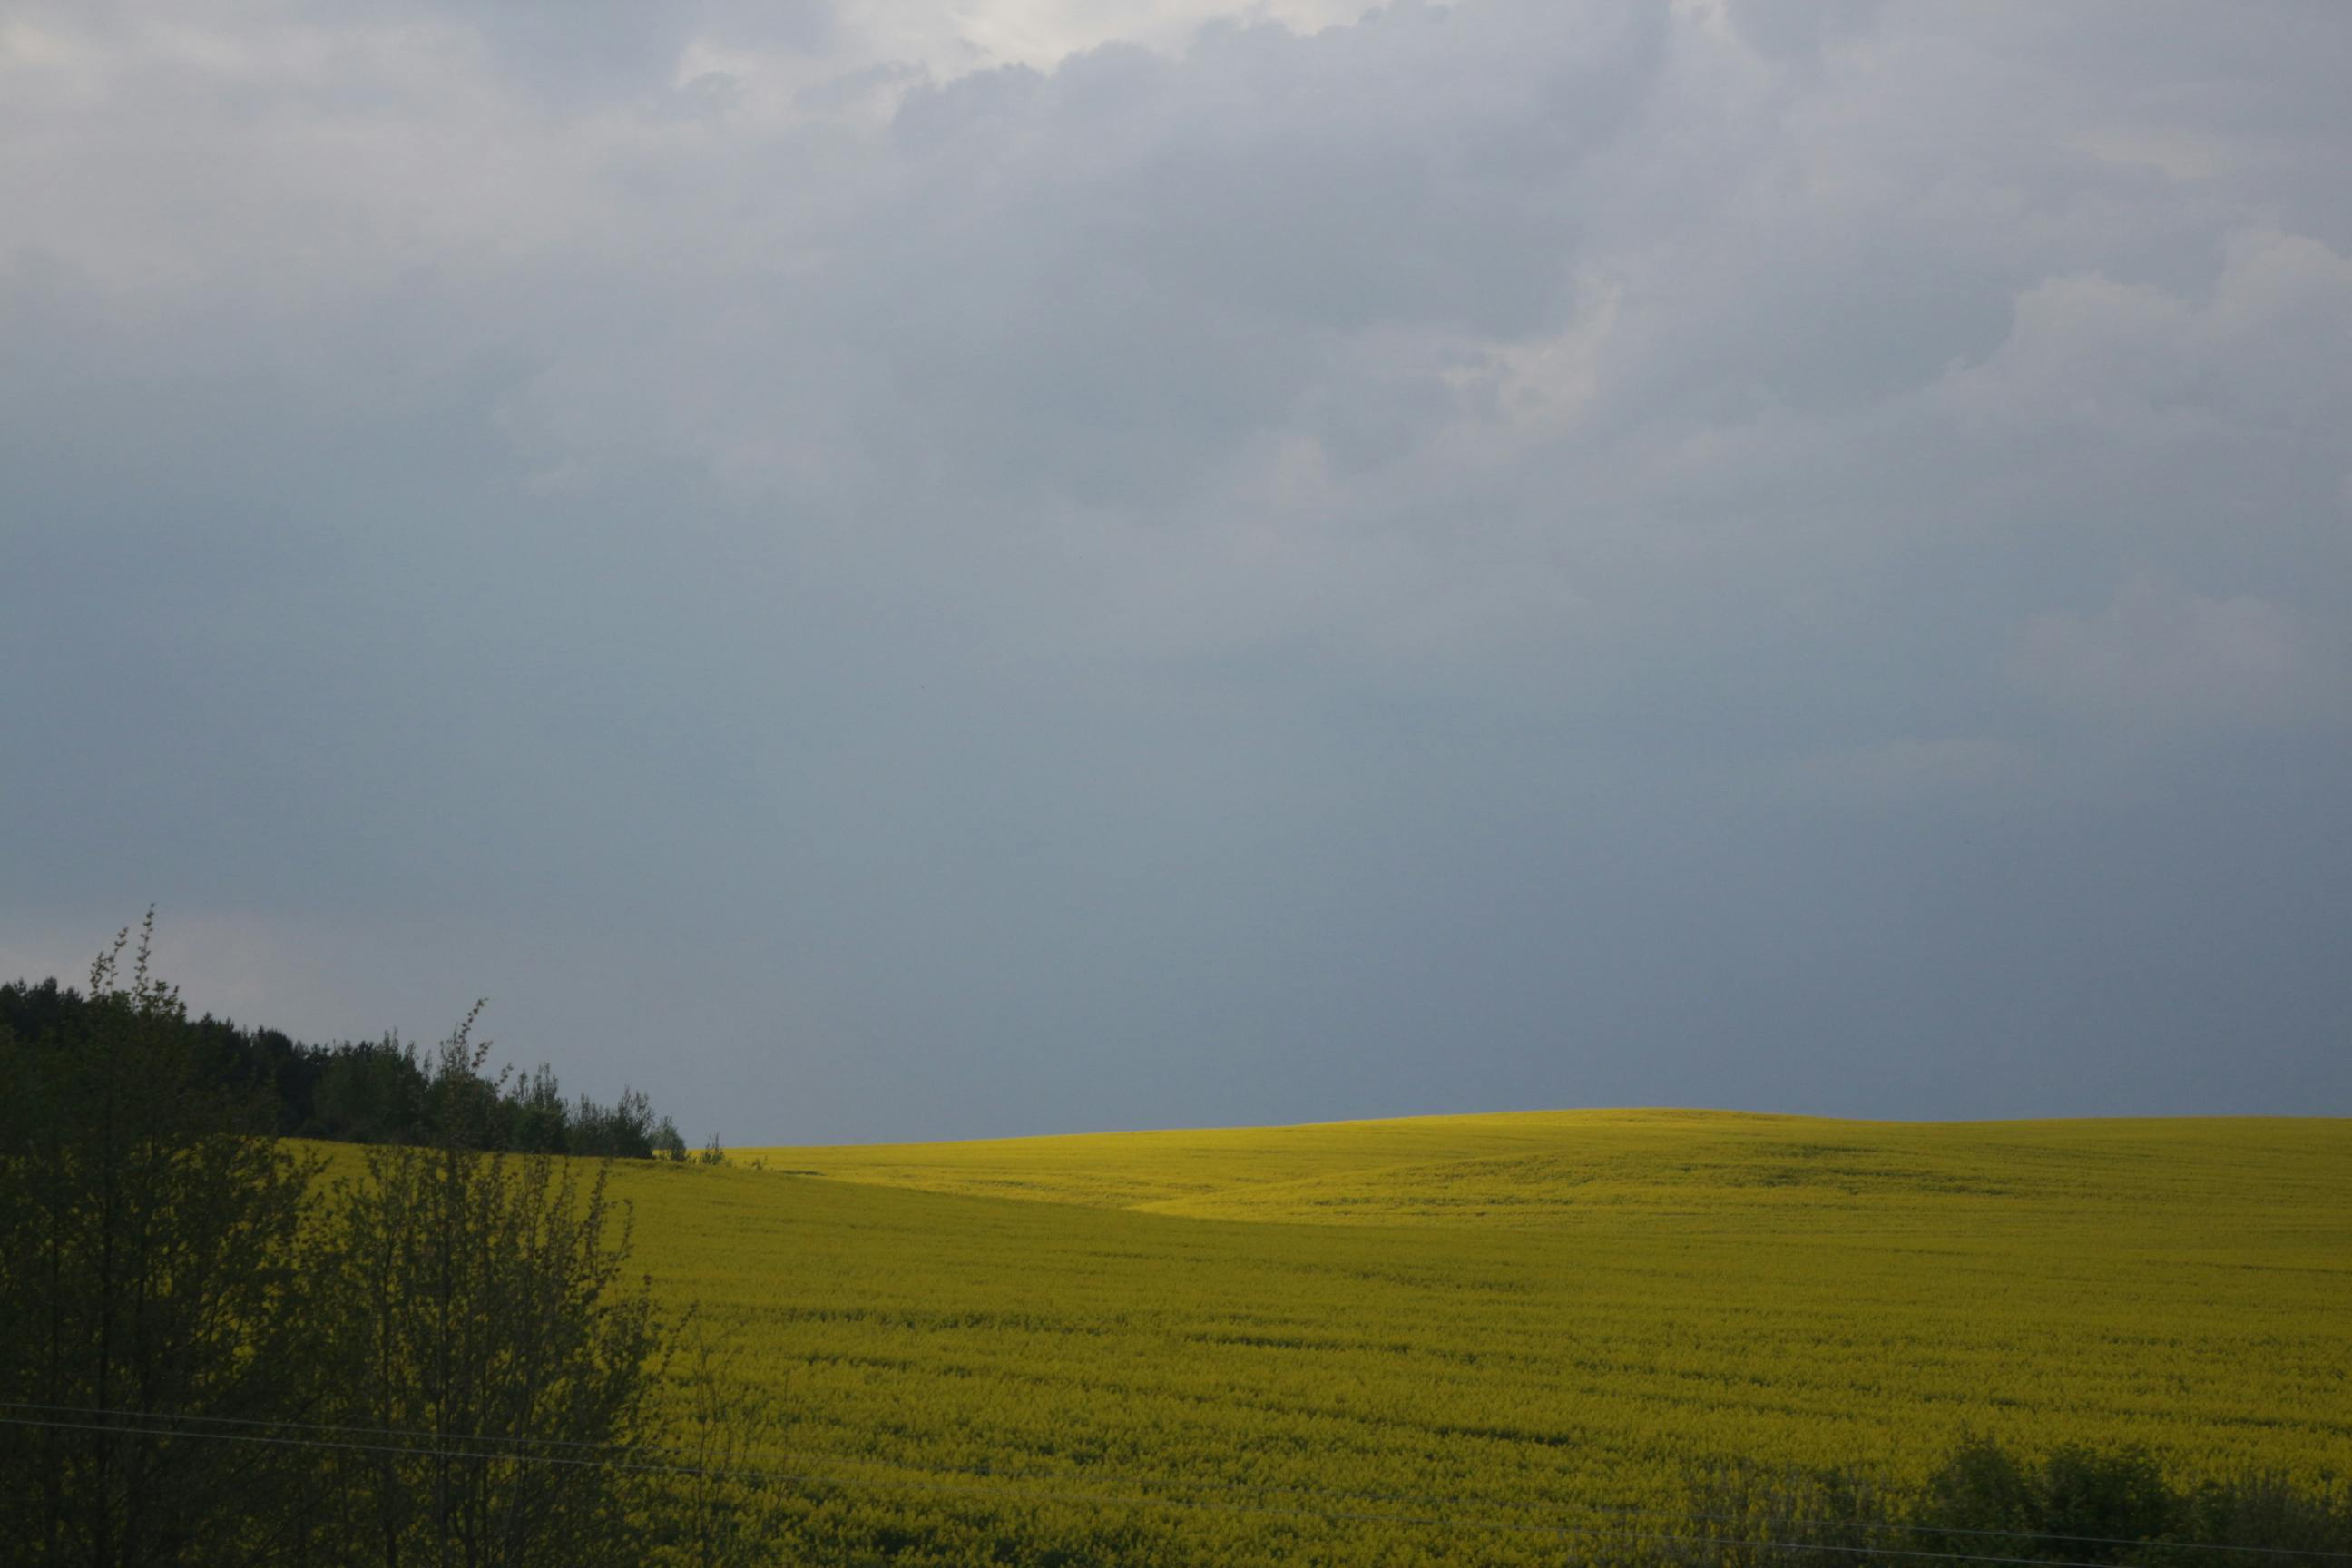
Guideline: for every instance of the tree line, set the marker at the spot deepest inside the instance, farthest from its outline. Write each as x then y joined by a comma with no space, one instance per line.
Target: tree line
371,1091
211,1352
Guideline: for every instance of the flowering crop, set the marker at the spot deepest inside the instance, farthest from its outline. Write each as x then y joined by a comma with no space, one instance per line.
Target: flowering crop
1256,1344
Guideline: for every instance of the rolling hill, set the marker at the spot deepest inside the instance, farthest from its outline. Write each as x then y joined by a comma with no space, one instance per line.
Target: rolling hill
1237,1345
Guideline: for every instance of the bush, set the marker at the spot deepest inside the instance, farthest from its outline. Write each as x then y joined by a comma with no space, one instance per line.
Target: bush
210,1360
475,1301
150,1297
2086,1499
2073,1504
2086,1506
1981,1498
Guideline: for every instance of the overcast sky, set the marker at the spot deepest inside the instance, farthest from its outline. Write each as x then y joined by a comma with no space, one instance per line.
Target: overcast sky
911,568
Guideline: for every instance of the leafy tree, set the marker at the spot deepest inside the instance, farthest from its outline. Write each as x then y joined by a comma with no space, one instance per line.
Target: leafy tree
478,1305
668,1143
372,1092
2087,1505
539,1121
149,1291
207,1356
1982,1493
624,1130
2120,1495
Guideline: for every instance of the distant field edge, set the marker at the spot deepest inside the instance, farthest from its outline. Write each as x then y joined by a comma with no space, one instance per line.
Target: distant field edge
1523,1167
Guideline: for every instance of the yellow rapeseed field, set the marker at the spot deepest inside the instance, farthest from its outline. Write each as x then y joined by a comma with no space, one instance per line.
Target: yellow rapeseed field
1276,1344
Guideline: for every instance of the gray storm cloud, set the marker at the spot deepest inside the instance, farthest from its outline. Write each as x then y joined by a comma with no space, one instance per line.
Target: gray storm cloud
1524,554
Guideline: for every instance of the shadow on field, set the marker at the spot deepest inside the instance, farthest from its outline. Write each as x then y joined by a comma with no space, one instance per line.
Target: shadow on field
1985,1503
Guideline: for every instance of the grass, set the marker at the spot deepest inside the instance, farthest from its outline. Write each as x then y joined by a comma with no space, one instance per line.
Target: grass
1516,1313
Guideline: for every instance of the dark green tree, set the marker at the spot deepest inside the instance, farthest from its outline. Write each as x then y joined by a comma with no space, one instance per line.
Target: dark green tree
210,1355
538,1120
372,1092
150,1301
668,1143
478,1305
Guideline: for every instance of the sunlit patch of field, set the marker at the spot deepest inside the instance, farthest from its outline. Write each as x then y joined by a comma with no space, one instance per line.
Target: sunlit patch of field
1509,1313
1554,1168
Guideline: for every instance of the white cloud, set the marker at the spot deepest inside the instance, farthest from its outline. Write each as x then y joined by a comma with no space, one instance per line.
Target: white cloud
2266,345
950,38
2159,652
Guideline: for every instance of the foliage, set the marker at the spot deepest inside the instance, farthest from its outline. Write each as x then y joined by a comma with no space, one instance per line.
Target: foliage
481,1310
216,1356
147,1274
621,1131
367,1092
2075,1503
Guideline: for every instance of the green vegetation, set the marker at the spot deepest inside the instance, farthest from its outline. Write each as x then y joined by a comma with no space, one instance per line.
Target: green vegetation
365,1091
464,1297
147,1262
216,1357
2074,1504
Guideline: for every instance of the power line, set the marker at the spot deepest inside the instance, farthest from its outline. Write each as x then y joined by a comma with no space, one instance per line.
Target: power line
1401,1498
310,1426
1095,1498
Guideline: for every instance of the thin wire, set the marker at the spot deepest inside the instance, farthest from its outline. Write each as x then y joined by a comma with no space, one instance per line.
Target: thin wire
309,1425
1094,1497
1611,1510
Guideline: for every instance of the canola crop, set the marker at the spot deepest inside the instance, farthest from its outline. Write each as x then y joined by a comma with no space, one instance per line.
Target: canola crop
1461,1339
